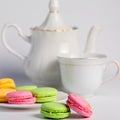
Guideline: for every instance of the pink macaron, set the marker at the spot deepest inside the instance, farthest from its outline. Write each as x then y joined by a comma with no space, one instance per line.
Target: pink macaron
79,105
20,97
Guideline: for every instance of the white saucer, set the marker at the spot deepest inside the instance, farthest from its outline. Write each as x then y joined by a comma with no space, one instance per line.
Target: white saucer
61,97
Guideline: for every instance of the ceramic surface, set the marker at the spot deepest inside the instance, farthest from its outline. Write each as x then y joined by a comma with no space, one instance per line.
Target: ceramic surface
84,75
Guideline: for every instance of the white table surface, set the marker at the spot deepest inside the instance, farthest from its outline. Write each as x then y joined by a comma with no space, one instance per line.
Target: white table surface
105,105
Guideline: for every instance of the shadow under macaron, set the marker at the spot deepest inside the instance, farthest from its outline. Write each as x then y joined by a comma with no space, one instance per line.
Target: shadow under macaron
40,116
73,116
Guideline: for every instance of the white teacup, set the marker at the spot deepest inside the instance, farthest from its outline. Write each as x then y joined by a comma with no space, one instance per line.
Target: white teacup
83,75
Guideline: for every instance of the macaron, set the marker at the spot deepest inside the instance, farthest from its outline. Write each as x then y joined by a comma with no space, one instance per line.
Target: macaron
45,94
3,93
26,88
20,97
55,110
79,105
7,83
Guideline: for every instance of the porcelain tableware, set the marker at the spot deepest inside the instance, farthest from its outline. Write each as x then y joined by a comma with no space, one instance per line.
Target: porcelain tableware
47,41
84,75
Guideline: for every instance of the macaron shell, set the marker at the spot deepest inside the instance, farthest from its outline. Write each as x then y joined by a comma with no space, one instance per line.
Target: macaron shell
44,92
79,105
19,94
78,100
6,80
55,107
7,83
26,88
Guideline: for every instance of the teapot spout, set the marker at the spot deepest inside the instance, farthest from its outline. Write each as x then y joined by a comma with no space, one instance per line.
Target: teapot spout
91,40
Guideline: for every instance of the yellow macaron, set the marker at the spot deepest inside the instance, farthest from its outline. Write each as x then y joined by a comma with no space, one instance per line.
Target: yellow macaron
7,83
3,93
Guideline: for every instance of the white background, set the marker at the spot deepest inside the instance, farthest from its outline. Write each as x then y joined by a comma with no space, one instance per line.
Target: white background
81,13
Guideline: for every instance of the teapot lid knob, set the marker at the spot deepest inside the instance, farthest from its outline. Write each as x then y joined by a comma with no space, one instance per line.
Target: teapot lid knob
53,21
54,6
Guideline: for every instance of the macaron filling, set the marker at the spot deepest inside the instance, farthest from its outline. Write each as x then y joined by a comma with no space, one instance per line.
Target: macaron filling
55,114
45,99
22,101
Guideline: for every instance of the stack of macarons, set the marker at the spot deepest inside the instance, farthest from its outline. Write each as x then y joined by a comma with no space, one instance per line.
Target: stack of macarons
42,95
28,94
32,94
59,110
50,108
9,93
25,94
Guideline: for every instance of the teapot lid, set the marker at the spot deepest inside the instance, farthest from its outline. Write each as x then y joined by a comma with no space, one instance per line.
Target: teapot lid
54,21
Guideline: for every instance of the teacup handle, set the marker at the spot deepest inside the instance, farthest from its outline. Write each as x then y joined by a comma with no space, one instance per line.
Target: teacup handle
26,38
116,63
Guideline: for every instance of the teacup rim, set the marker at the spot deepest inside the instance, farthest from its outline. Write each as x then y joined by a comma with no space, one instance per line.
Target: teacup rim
94,56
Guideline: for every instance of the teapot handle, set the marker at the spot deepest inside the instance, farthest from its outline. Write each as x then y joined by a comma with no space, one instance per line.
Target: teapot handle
26,38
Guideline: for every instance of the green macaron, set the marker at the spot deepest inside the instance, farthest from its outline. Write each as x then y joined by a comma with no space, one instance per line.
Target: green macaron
55,110
26,88
45,94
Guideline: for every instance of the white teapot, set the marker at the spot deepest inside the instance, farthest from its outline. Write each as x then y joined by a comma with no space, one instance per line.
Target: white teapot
47,41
